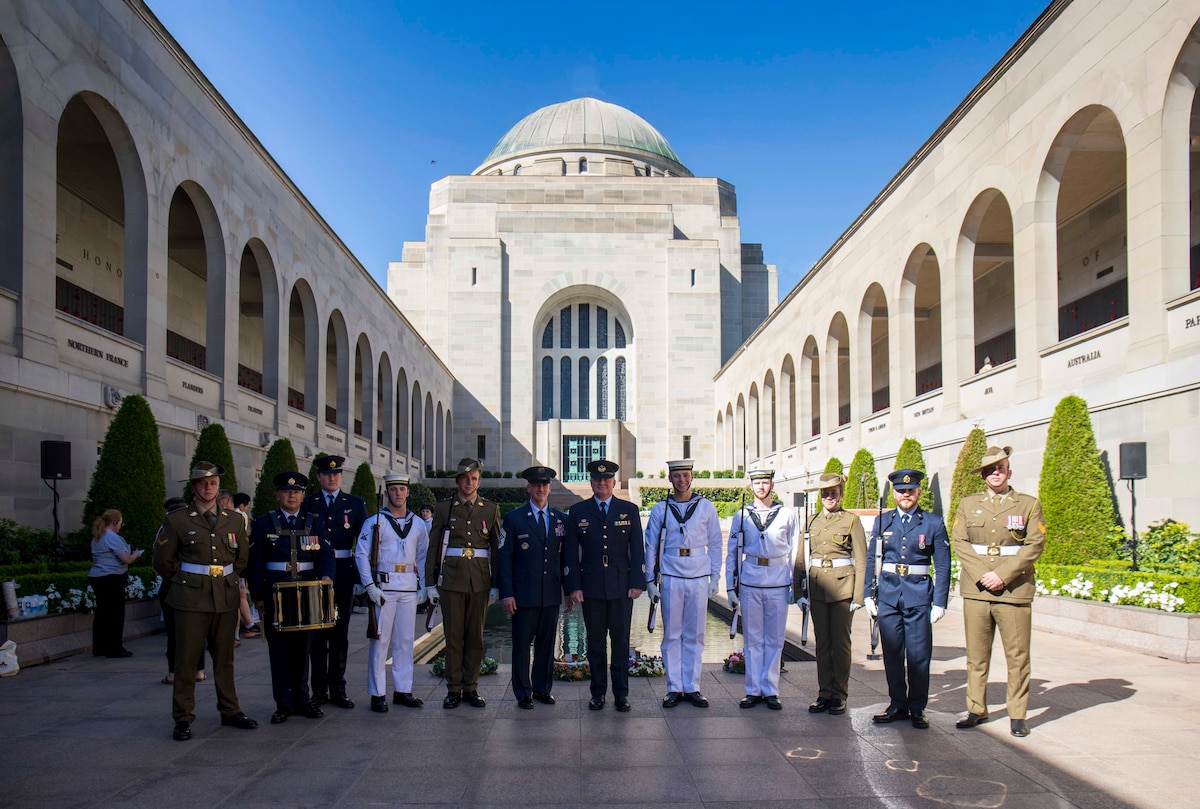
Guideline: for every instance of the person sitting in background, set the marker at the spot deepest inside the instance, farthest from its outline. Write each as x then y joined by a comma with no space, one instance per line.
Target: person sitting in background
111,558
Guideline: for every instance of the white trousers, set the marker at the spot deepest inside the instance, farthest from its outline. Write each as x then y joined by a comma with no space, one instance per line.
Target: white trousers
684,607
397,628
764,622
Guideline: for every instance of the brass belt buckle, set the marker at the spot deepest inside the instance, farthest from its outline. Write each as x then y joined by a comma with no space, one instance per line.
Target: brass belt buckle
468,553
685,551
826,563
902,570
216,570
993,550
763,561
401,567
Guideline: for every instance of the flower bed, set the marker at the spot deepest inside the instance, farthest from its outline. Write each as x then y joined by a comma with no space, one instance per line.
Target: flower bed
1160,591
68,590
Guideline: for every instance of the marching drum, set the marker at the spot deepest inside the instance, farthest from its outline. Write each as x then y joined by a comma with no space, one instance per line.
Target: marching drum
302,605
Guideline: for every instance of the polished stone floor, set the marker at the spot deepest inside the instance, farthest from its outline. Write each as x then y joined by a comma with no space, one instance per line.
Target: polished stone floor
1110,728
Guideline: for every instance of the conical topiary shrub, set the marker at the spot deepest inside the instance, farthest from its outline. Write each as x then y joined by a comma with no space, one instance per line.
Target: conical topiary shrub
129,475
862,484
1076,499
364,485
966,482
314,485
213,446
910,456
280,458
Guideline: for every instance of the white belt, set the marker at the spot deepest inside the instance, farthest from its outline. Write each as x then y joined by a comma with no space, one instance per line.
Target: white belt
342,554
996,550
468,553
816,562
206,570
906,570
767,561
287,566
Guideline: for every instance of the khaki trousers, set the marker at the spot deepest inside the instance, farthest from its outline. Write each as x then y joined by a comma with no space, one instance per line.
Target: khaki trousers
981,619
463,615
832,621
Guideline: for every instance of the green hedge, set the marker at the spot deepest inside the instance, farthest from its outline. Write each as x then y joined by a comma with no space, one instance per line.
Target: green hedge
1105,577
1076,497
20,544
497,494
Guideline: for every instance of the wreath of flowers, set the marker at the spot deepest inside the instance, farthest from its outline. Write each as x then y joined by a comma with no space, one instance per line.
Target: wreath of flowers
437,666
641,665
735,663
572,668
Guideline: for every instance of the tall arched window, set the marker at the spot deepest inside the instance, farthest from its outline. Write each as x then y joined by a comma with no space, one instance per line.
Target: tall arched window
620,333
547,388
620,387
564,327
584,393
548,335
564,395
602,388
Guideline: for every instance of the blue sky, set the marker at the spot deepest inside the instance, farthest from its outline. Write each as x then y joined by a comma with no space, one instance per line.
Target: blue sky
807,108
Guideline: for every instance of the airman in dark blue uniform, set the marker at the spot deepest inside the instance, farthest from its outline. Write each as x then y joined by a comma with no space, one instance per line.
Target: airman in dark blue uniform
533,575
339,517
605,534
272,537
909,563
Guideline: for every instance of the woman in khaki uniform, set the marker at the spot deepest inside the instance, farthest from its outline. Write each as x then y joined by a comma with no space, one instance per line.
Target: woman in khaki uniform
836,574
998,535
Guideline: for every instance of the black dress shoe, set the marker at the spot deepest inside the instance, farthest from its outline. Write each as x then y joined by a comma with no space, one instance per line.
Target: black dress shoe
526,703
182,732
697,699
750,700
311,711
239,720
280,716
773,702
320,698
1018,728
971,720
451,701
379,704
342,701
919,720
543,698
820,706
622,704
837,706
672,699
407,700
596,703
891,715
476,701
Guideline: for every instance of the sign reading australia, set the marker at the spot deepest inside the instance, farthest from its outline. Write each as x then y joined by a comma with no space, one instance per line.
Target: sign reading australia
92,351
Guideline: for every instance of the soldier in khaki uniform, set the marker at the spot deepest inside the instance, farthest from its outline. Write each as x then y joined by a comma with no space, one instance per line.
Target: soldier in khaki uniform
202,551
998,535
463,541
836,575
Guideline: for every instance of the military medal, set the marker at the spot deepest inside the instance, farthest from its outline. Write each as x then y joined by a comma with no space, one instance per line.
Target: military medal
1016,522
233,541
921,542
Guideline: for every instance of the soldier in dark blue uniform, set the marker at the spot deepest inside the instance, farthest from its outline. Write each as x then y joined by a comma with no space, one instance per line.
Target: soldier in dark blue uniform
605,534
340,518
909,564
533,575
271,557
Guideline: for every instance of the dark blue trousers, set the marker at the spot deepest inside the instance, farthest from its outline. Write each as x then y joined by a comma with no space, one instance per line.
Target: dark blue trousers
608,619
907,638
533,625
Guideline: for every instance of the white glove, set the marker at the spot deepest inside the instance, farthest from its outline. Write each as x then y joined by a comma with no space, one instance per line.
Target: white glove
493,595
652,591
713,586
872,607
802,601
432,593
422,596
855,607
936,614
375,594
733,598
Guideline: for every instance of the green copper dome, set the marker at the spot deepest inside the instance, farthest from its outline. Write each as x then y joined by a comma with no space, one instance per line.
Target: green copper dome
585,124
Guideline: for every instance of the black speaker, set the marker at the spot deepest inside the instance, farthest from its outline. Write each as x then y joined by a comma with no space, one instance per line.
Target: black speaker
1133,461
56,460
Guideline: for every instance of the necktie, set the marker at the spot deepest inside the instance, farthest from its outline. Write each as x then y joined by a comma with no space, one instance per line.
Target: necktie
329,501
211,518
542,522
604,511
905,520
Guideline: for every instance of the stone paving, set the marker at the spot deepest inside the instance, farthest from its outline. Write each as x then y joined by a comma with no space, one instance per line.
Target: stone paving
1110,729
